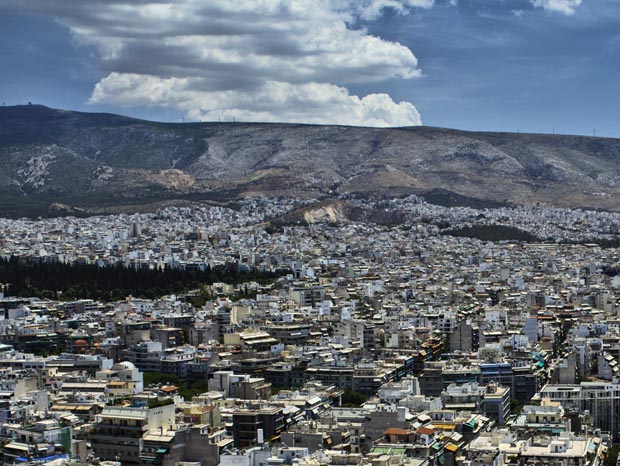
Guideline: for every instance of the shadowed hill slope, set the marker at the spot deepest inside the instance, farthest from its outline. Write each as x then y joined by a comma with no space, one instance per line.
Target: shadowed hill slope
103,162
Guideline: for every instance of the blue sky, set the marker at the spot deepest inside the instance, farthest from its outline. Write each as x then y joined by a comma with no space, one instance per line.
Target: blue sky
498,65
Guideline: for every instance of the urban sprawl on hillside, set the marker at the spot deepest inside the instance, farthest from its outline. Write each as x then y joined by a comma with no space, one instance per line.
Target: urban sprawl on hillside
405,341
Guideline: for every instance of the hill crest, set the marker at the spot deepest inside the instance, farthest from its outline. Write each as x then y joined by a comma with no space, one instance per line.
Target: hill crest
100,162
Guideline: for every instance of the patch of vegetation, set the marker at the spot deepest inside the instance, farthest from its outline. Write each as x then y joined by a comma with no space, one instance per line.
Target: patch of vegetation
277,225
159,378
160,403
186,390
493,233
56,280
611,271
612,456
446,198
352,398
14,206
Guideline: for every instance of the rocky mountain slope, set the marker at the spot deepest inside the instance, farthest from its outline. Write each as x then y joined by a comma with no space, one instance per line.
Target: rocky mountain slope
63,161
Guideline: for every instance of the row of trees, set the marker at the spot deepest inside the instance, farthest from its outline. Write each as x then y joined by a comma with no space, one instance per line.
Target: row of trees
57,280
493,232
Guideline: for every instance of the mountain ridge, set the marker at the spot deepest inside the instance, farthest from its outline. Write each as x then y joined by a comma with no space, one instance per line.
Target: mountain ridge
101,162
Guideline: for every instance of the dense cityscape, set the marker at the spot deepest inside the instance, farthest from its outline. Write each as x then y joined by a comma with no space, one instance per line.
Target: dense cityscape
309,233
381,342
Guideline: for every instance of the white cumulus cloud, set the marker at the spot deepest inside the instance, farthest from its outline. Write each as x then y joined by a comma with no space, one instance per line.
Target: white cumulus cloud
269,60
273,101
566,7
372,9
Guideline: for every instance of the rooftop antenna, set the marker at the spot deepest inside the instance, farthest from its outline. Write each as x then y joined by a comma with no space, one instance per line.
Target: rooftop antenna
594,132
553,130
233,119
